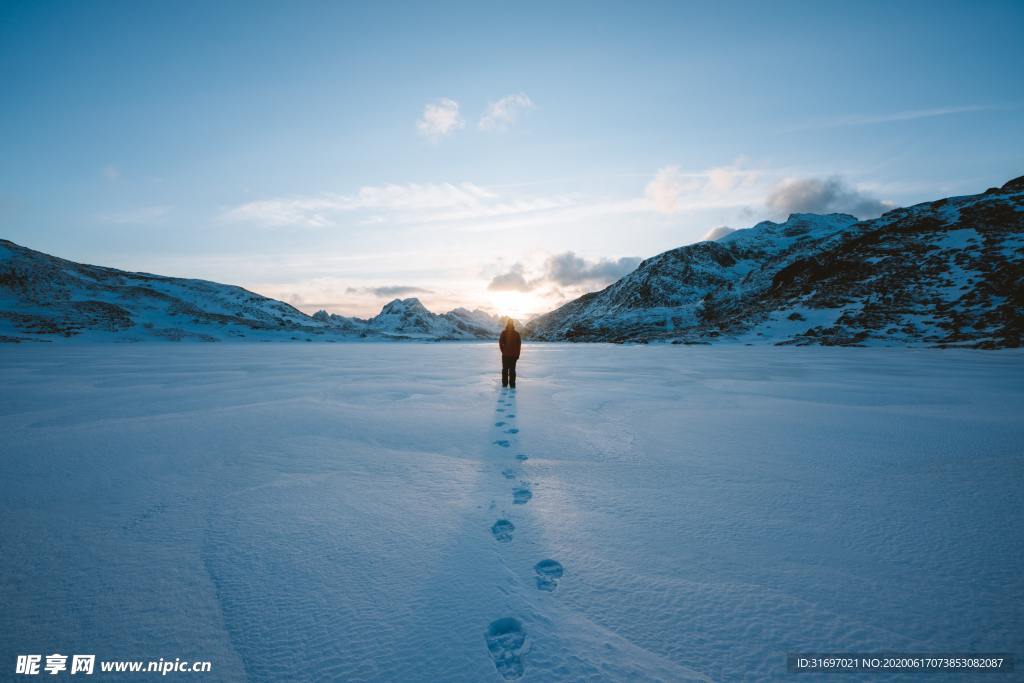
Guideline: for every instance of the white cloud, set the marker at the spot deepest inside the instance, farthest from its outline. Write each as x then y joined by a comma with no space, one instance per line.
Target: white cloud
505,112
715,234
512,280
823,195
724,178
111,172
668,185
569,269
564,270
440,118
673,190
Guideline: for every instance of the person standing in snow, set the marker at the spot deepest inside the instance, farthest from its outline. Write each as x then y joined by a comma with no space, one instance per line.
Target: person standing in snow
510,344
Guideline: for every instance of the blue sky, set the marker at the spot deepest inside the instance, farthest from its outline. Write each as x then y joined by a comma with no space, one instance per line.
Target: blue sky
502,155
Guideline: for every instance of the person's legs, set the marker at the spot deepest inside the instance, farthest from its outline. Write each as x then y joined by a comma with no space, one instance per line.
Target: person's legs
504,370
512,372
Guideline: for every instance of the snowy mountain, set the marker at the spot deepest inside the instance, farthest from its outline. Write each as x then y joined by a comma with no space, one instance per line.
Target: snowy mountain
476,322
666,293
43,297
410,319
949,272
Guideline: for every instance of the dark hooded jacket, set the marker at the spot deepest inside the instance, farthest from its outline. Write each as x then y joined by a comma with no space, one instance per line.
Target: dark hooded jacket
510,343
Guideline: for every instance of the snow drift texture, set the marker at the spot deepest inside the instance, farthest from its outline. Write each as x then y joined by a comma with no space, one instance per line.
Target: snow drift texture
300,512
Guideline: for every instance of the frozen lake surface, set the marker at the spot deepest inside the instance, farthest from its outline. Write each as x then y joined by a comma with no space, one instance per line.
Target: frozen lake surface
385,512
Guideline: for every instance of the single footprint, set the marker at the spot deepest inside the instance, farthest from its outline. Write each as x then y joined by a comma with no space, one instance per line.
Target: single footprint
513,430
522,457
501,410
502,532
508,473
548,574
499,424
522,495
505,639
501,442
510,415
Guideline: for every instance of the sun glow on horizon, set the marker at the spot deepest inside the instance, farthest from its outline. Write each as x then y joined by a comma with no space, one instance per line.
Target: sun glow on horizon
519,305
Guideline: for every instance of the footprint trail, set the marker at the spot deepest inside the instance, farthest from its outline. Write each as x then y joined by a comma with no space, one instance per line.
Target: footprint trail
506,638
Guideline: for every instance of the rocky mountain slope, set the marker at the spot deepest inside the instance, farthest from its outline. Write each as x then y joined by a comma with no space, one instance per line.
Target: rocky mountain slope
949,272
666,293
45,298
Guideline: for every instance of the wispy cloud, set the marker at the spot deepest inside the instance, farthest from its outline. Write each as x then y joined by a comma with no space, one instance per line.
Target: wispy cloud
388,291
110,172
910,115
140,215
673,190
309,212
505,112
440,118
395,203
472,208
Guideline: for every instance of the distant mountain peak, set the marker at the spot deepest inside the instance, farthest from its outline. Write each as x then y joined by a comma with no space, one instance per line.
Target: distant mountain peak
411,304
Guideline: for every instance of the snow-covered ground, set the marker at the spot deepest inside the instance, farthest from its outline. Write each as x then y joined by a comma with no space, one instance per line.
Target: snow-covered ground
334,512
